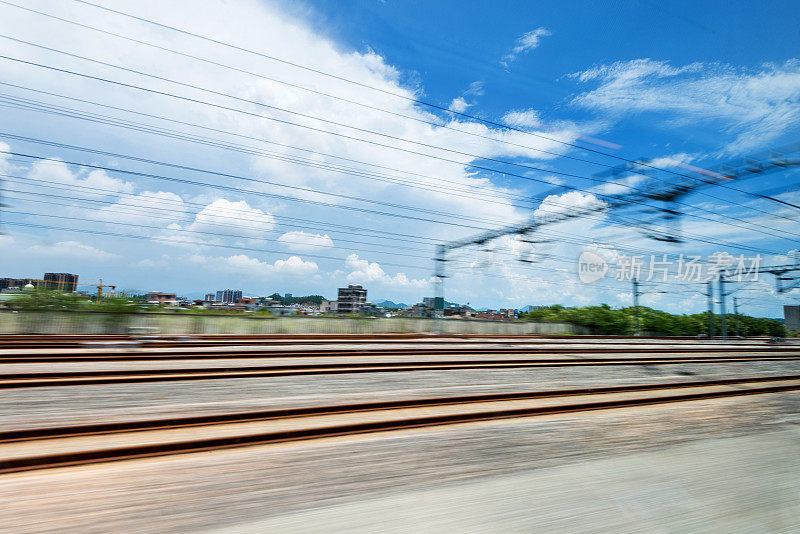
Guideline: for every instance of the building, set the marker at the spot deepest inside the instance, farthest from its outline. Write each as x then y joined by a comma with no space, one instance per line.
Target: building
459,310
229,296
61,281
280,310
495,315
372,310
209,297
434,303
287,296
248,303
157,297
17,283
351,299
791,315
328,306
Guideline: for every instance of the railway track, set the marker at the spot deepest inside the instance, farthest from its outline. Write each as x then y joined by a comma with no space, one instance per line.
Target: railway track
42,448
177,353
81,341
9,342
129,376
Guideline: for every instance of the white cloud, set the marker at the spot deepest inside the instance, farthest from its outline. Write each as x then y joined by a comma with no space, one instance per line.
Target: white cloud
296,266
459,105
243,264
161,263
4,157
526,42
53,170
232,218
298,240
259,25
475,89
363,271
265,26
6,240
566,203
71,249
555,180
150,208
528,118
755,105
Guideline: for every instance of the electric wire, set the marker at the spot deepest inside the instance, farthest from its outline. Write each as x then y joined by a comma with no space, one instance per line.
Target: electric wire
367,141
347,80
228,175
562,236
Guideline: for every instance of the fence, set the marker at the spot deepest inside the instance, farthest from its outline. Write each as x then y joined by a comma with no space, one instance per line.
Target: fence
164,323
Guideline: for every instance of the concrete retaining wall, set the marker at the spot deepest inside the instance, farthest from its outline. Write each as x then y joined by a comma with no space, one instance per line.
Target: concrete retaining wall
104,323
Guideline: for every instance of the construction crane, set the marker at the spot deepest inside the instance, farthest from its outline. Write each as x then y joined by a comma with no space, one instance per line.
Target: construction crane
100,285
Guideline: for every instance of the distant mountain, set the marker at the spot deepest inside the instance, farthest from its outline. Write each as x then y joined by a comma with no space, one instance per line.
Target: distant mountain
390,304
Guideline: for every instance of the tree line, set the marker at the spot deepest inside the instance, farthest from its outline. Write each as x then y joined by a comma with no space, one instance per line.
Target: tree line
606,320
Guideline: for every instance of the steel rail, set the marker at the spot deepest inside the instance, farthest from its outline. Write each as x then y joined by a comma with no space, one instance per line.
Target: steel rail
178,340
75,458
203,420
89,378
144,355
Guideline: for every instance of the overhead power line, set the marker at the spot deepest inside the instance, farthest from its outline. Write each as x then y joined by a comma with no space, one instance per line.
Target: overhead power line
365,200
632,170
311,128
561,237
198,243
441,124
364,85
424,186
460,164
228,175
417,185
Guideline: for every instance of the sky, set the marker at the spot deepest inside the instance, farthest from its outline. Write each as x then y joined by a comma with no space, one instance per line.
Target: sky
299,147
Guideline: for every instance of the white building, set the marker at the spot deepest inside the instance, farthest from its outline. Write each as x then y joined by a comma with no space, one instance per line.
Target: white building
328,306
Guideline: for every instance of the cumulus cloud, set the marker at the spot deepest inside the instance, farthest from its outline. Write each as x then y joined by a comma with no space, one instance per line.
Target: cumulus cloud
97,182
243,264
238,218
266,26
525,43
71,249
4,156
363,271
150,208
296,266
299,240
757,105
571,202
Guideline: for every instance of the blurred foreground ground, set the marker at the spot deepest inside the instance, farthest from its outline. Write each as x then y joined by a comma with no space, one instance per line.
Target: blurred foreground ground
729,465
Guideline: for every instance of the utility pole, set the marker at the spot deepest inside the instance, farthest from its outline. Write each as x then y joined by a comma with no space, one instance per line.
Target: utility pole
736,314
438,301
710,296
636,329
722,295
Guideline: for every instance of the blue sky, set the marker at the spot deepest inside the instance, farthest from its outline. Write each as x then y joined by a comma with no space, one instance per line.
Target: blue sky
676,84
